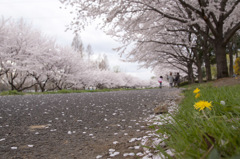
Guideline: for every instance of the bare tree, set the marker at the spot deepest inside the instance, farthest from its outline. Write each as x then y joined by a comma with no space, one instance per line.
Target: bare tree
89,51
77,45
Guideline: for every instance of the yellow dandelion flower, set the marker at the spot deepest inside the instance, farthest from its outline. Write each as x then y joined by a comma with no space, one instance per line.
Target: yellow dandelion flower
202,105
197,95
196,91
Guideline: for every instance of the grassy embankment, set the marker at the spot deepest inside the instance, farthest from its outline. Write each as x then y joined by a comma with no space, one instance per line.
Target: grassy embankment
14,92
209,133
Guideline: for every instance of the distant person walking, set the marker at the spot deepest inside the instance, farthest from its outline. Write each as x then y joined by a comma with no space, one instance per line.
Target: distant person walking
177,80
170,79
160,81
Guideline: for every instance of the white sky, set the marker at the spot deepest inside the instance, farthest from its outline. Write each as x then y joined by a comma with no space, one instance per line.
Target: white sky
47,16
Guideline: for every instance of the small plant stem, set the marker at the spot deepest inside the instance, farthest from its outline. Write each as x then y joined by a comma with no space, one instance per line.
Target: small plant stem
204,114
209,150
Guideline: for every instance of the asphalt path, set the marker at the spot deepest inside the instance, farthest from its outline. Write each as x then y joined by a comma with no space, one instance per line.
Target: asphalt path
78,125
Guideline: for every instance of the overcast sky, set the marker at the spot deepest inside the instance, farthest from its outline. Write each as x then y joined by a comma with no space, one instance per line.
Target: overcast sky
48,17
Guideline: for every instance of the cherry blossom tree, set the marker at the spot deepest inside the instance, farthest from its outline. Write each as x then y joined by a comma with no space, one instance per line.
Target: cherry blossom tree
3,33
17,47
222,18
162,53
26,56
69,68
132,20
30,59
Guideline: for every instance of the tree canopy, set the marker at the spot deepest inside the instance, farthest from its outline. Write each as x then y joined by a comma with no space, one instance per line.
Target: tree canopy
29,59
161,28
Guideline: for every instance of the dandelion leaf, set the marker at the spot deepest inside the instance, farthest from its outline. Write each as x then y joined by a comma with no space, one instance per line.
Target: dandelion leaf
214,154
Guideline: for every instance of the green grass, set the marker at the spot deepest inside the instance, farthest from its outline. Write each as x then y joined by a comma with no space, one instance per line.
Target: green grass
14,92
213,135
82,91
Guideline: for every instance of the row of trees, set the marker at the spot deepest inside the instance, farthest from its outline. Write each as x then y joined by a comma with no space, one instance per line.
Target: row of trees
28,58
184,34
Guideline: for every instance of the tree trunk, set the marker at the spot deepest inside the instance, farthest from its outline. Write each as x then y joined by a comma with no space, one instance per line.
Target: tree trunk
42,87
206,57
198,62
36,88
221,60
199,70
190,73
11,82
231,62
208,67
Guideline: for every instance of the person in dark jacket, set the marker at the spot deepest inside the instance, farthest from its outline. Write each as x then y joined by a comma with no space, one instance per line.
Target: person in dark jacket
177,80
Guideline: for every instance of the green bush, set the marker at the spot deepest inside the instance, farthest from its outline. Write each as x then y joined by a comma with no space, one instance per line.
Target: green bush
183,83
237,66
12,92
65,91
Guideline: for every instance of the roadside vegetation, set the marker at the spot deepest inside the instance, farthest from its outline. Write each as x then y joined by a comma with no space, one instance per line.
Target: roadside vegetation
14,92
206,125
